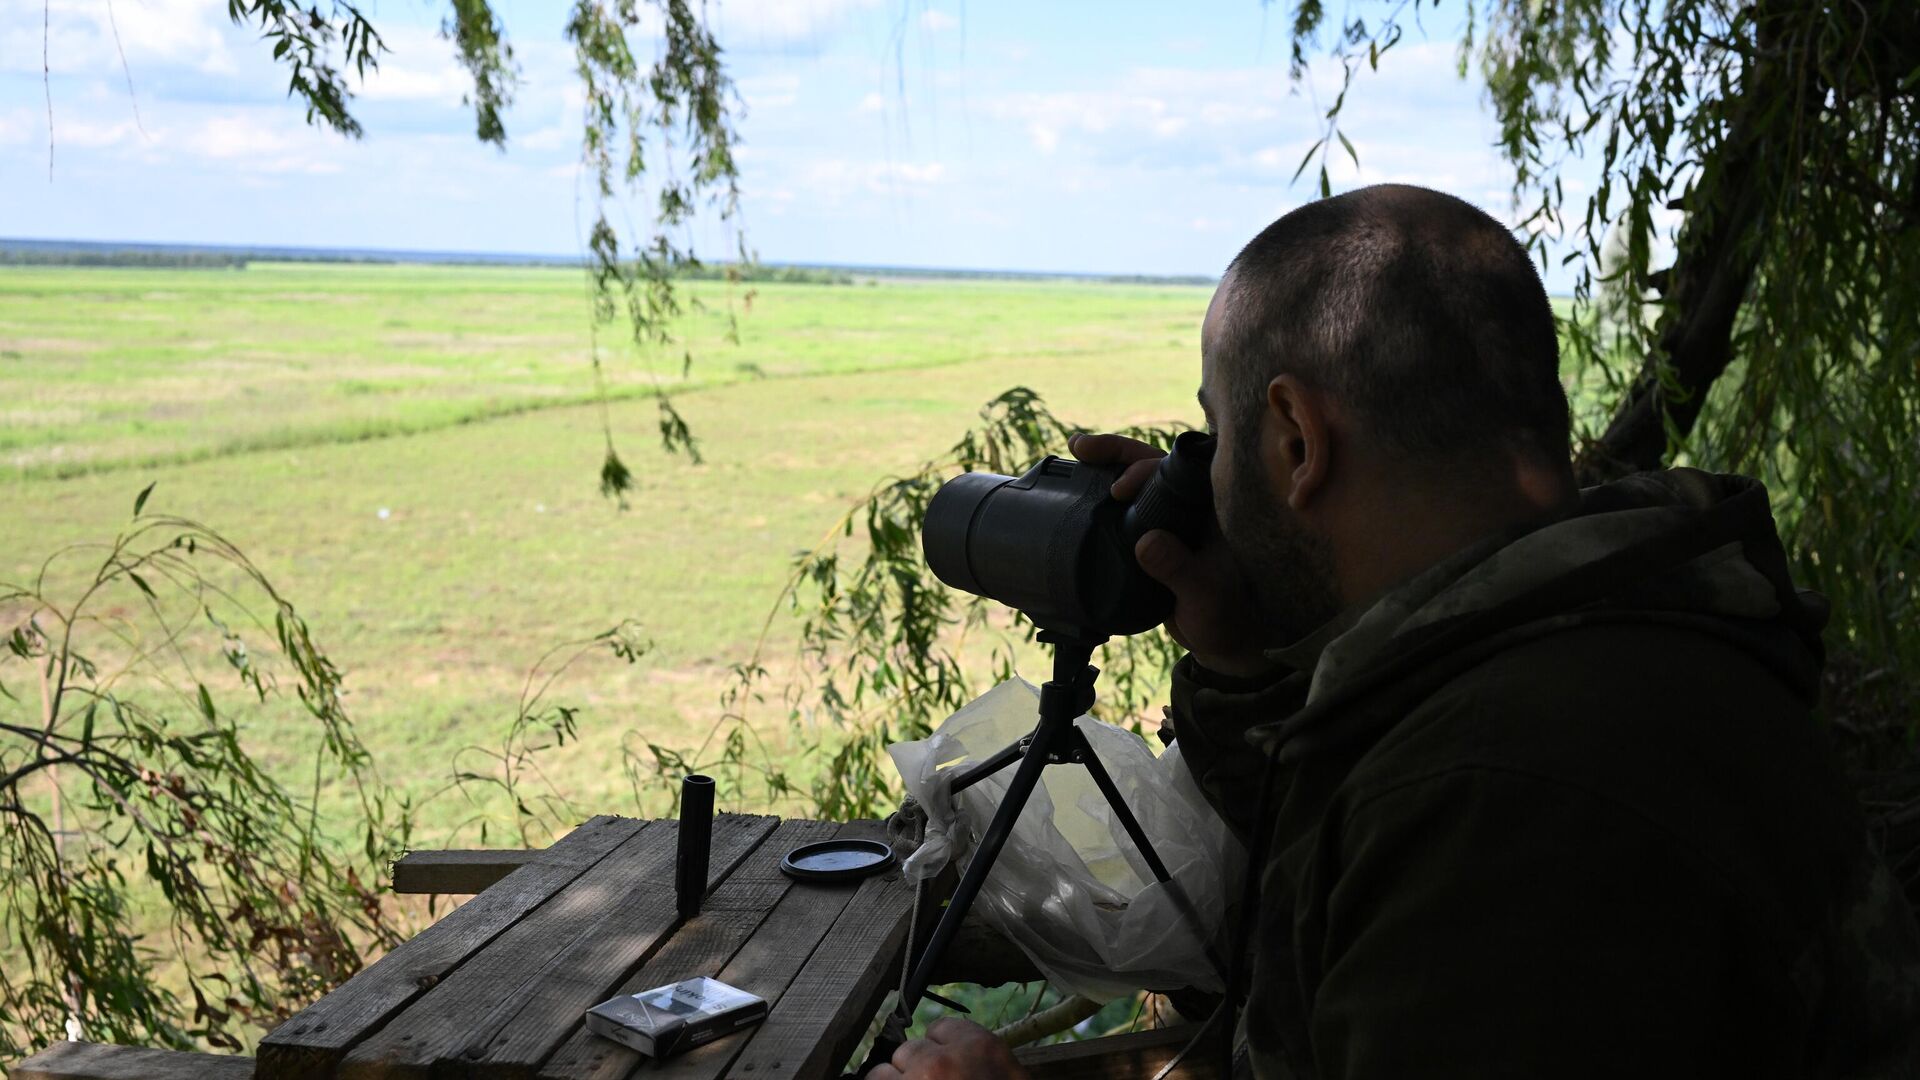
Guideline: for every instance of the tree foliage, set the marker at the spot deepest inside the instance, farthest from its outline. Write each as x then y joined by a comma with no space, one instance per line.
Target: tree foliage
660,128
125,778
1771,144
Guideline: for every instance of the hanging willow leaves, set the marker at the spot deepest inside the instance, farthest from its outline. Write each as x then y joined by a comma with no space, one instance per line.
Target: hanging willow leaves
131,672
659,128
669,124
304,41
482,45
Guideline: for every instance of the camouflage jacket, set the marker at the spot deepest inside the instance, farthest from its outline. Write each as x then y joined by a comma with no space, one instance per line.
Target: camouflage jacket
1557,807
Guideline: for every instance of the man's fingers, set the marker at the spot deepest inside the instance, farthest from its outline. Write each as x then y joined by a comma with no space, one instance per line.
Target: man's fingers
952,1029
1110,449
904,1057
1134,478
1165,558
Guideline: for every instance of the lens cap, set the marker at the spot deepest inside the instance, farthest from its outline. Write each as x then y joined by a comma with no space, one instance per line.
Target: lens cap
837,860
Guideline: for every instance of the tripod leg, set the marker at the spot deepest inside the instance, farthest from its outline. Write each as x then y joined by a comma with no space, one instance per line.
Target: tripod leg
1058,697
1025,779
1083,751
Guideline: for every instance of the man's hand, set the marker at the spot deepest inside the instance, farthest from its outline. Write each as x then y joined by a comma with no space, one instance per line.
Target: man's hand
952,1049
1211,618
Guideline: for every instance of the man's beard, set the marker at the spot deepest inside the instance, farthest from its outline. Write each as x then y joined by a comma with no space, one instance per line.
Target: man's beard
1289,568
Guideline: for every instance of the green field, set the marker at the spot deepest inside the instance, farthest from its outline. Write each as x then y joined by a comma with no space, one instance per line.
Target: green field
439,563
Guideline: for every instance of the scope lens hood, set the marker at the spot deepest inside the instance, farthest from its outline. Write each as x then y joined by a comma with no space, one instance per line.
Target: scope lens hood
946,530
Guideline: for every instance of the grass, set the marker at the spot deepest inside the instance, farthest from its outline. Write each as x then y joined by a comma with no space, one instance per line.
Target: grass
439,566
102,369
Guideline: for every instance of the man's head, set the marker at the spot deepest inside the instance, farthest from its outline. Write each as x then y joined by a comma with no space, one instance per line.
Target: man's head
1383,370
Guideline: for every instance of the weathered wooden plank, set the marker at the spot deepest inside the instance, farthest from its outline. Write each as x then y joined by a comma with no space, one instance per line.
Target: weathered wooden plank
981,955
313,1041
745,882
103,1061
459,872
758,904
820,1018
1134,1056
440,1023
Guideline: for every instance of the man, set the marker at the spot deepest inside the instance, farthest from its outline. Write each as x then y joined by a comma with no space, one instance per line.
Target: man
1527,773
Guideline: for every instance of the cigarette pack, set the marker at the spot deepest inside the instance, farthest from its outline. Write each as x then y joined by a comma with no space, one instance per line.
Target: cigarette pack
670,1019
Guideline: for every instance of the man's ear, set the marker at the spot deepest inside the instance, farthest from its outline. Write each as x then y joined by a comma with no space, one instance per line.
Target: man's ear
1299,440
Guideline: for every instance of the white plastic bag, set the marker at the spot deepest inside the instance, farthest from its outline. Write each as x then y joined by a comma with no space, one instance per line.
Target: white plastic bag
1068,888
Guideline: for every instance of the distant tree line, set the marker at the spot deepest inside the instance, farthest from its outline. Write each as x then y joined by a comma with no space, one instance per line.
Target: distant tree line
183,260
761,272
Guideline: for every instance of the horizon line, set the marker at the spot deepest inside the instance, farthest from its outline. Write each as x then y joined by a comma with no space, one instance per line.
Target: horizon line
266,253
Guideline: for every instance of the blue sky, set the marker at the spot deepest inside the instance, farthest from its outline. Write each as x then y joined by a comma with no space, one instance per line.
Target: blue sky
1110,138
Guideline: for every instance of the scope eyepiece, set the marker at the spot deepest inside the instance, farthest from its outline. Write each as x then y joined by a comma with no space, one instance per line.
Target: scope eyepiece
1178,496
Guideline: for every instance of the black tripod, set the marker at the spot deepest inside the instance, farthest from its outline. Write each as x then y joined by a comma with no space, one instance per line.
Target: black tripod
1055,740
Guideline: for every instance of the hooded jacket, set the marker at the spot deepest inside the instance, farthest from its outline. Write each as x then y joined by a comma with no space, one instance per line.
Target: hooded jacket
1557,807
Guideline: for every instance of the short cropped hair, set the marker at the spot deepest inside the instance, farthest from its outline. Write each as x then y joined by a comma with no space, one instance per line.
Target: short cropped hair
1414,309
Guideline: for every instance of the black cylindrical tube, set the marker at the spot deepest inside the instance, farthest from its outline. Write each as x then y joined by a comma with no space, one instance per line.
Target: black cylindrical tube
1179,495
696,843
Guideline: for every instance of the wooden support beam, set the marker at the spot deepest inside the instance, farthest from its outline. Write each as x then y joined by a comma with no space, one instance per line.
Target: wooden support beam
1135,1056
456,872
103,1061
980,955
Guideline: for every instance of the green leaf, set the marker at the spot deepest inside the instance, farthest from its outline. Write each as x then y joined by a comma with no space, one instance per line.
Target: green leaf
1349,146
140,500
1307,159
615,479
206,702
142,583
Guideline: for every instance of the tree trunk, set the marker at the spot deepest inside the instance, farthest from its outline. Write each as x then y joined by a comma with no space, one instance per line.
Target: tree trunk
1712,269
1707,284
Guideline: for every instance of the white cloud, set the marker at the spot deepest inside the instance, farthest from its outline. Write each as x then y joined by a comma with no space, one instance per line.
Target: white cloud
770,91
85,134
552,137
243,142
18,125
394,82
931,173
937,21
1152,104
782,23
872,103
833,179
1413,121
78,36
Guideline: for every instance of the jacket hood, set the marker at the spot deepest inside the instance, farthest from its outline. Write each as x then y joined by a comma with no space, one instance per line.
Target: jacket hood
1677,546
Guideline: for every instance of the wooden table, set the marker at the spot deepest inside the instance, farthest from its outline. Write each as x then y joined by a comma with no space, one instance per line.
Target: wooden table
498,986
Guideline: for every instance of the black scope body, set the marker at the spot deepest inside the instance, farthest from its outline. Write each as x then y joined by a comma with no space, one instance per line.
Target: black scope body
1056,545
